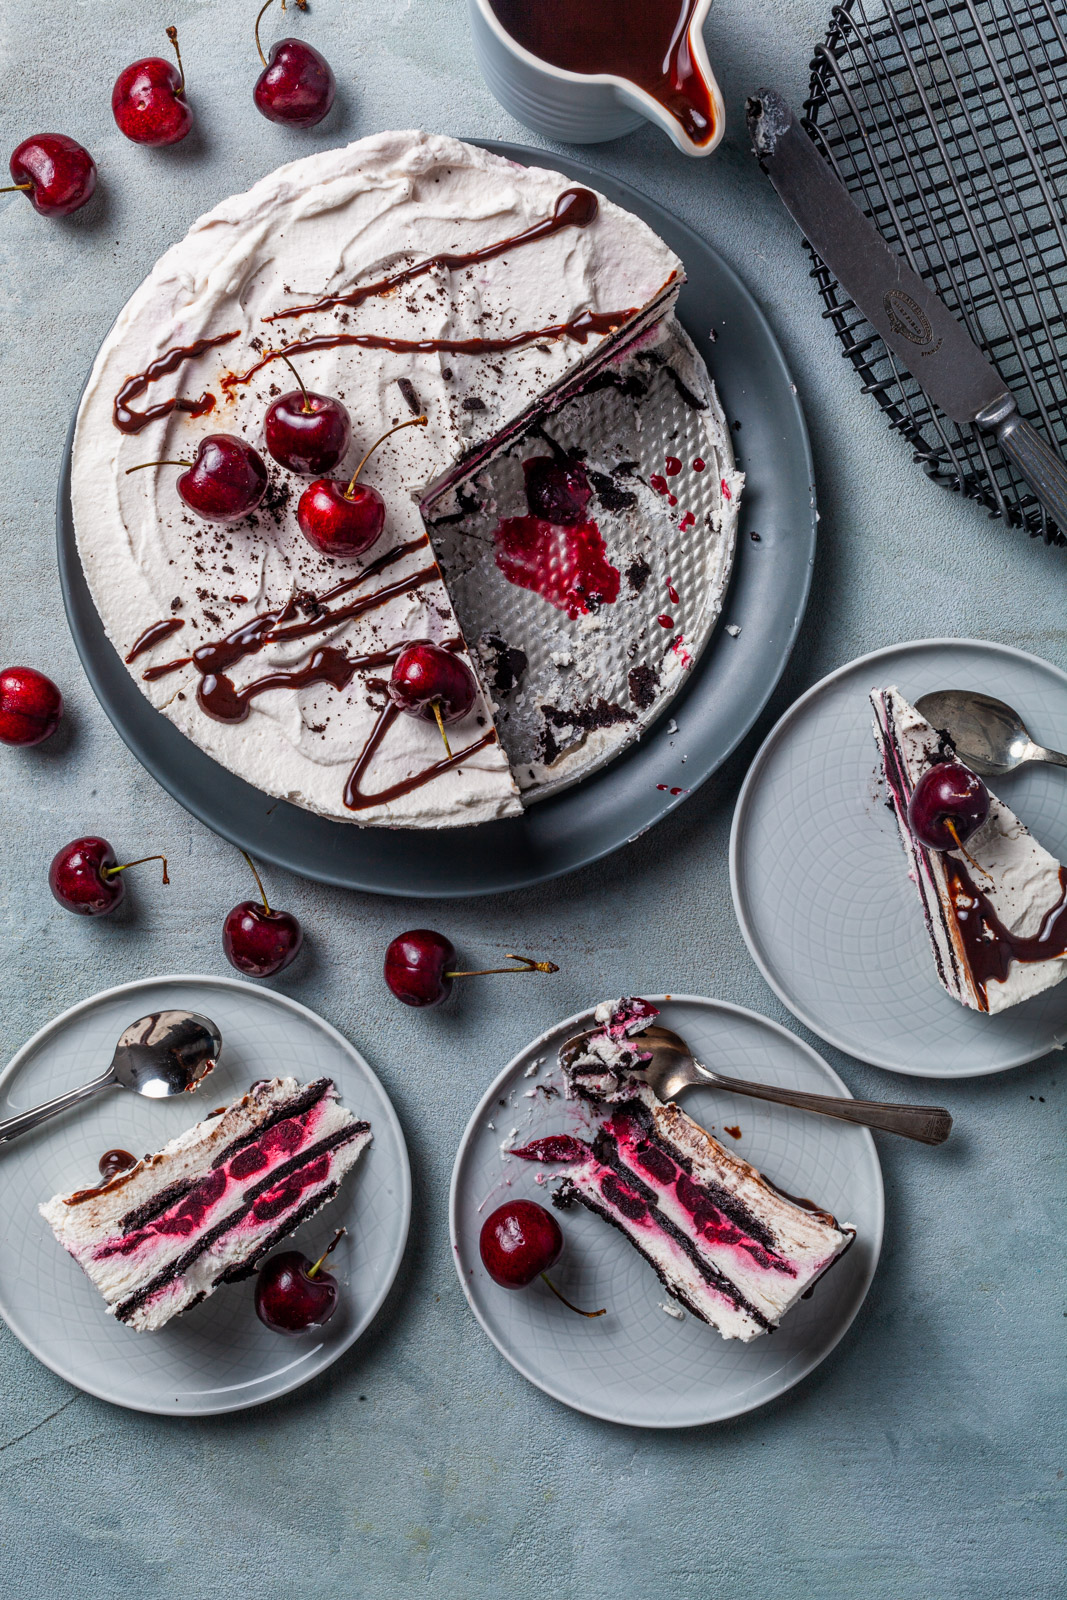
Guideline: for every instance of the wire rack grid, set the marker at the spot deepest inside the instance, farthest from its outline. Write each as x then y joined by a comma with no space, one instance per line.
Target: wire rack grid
946,121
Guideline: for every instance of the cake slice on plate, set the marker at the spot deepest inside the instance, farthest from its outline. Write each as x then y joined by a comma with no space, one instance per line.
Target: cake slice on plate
733,1249
161,1236
996,911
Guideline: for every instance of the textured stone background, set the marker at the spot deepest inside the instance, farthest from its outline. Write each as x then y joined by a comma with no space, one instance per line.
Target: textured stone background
924,1460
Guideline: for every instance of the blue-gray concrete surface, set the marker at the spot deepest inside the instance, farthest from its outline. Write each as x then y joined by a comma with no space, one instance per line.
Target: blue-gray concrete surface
924,1460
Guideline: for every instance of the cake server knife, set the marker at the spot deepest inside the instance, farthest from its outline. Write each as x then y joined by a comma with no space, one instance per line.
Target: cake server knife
914,323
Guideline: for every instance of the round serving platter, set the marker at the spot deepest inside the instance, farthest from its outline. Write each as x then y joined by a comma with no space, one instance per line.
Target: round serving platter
640,1364
217,1356
727,689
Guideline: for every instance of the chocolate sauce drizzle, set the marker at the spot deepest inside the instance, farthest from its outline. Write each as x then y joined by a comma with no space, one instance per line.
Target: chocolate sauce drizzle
579,328
129,421
154,635
165,668
354,797
575,208
990,946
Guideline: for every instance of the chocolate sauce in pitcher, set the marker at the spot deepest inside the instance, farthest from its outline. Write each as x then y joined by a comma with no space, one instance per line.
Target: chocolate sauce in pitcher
646,41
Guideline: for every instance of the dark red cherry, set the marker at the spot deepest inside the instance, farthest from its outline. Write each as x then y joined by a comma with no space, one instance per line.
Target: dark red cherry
293,1293
259,941
226,481
296,85
148,100
57,174
308,432
85,876
30,706
346,519
556,492
948,804
428,679
418,967
519,1241
340,520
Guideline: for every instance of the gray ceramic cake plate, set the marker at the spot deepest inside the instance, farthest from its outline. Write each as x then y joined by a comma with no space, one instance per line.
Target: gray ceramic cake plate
218,1356
641,1364
728,689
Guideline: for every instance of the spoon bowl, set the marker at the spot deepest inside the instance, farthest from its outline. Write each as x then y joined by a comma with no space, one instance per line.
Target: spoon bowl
989,736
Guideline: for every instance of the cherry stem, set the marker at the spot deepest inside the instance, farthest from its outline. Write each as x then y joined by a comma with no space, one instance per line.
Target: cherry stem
10,188
142,464
441,725
300,381
259,19
113,872
528,965
334,1242
568,1304
259,882
413,422
172,35
951,826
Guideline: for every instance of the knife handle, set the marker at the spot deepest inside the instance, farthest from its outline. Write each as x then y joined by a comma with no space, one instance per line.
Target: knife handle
1043,468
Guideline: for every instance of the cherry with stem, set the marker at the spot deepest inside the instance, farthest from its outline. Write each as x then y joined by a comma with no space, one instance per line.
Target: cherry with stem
420,967
346,519
258,940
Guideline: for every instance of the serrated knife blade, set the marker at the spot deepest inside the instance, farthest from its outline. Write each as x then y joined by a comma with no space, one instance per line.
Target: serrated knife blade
914,323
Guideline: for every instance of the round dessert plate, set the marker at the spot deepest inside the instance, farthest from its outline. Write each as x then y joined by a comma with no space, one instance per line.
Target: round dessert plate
820,882
640,1364
726,690
217,1356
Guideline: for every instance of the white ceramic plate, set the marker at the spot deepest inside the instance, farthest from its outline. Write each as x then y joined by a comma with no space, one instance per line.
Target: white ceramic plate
217,1356
821,886
639,1365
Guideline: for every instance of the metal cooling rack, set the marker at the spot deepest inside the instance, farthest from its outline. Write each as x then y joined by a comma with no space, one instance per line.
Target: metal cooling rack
946,120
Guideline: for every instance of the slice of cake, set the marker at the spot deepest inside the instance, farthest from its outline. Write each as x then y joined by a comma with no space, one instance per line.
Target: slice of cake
406,274
723,1241
162,1236
996,913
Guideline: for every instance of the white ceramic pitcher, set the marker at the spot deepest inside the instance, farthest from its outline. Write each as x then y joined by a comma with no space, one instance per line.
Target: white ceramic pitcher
576,107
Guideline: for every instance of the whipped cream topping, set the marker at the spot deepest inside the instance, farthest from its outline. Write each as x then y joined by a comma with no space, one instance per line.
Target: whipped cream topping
602,1068
1007,885
315,228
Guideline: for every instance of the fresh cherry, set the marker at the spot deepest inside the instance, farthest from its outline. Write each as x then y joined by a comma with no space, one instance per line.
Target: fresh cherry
293,1293
148,100
419,967
428,681
85,876
556,492
257,940
948,804
519,1241
307,432
30,706
56,173
346,519
296,85
226,481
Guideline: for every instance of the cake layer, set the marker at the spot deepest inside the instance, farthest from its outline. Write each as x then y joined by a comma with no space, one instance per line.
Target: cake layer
162,1235
406,272
997,914
601,1070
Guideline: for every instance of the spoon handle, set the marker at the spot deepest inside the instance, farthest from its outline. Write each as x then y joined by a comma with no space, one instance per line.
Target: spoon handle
1055,758
30,1119
928,1124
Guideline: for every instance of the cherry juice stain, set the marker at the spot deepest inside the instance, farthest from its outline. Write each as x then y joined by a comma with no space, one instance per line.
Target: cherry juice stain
671,590
557,551
699,465
672,466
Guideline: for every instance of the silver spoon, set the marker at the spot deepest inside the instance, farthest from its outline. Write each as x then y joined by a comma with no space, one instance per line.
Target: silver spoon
166,1053
673,1068
989,735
